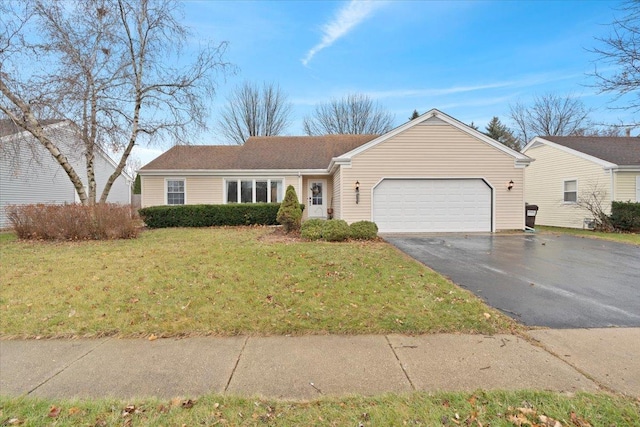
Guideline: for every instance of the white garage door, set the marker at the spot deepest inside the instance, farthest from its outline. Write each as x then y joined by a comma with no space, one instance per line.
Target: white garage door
432,205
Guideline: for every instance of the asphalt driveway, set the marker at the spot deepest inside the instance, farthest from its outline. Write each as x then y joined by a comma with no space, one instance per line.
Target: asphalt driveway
542,279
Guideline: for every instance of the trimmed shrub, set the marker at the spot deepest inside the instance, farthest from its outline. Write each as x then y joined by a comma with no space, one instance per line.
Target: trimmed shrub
312,229
102,221
210,215
364,230
335,230
290,212
625,216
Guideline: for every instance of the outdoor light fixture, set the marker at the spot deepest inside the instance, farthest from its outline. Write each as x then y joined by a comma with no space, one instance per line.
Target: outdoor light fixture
357,192
510,185
357,186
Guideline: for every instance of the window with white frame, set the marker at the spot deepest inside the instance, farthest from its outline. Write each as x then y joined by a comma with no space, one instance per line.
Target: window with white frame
175,191
571,191
244,190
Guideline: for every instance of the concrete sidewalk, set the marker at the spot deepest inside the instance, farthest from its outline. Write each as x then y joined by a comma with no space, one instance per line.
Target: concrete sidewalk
308,367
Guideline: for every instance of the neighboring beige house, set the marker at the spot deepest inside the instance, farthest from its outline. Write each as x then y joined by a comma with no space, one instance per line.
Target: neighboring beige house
432,174
570,168
29,174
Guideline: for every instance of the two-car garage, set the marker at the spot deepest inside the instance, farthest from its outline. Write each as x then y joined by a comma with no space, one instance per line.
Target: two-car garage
433,205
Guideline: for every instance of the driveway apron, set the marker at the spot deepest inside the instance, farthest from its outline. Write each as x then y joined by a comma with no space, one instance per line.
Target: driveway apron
556,281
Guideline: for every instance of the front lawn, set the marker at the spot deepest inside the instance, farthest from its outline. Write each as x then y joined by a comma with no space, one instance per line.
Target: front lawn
227,281
632,238
495,408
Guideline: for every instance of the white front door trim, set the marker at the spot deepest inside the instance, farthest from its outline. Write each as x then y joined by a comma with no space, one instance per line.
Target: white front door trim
317,204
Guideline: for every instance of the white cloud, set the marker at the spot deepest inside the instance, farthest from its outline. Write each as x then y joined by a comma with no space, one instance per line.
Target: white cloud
347,18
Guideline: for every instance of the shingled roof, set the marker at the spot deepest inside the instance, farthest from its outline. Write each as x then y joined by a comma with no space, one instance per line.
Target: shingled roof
263,152
623,151
8,127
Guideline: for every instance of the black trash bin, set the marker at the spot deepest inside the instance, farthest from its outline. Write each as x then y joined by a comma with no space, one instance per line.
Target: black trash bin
530,215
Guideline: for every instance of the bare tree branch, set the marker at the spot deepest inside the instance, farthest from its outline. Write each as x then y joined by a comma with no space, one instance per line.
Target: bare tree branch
106,66
353,114
620,51
254,111
549,114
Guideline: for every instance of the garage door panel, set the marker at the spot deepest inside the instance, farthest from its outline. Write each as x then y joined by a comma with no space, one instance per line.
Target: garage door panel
432,205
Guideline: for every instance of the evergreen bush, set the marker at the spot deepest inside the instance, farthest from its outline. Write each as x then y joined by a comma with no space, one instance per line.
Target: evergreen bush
625,216
364,230
290,212
232,214
335,230
312,229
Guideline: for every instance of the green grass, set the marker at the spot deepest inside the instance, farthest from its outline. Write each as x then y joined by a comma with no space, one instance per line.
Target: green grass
224,282
450,409
632,238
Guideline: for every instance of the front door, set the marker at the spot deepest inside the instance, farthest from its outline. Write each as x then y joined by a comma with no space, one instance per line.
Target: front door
317,199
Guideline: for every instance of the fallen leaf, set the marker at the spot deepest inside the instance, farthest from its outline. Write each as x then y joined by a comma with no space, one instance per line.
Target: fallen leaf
472,400
549,422
152,337
54,411
579,422
188,404
14,422
487,316
527,411
176,401
72,313
74,411
134,300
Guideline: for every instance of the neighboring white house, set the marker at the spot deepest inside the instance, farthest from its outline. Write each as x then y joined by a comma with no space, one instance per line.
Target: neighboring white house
29,174
433,173
569,168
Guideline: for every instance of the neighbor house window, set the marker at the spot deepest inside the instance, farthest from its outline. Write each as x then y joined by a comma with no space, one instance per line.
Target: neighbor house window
253,190
571,191
175,191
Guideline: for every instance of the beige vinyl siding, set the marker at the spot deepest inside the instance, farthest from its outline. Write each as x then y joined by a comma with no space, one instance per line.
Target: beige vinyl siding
296,181
625,186
436,151
205,189
337,193
545,179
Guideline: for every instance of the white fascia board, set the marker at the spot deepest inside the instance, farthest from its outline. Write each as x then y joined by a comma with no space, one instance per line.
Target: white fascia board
541,141
338,161
626,168
229,172
447,119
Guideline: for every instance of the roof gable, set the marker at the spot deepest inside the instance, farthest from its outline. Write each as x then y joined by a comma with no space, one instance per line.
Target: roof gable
434,117
606,151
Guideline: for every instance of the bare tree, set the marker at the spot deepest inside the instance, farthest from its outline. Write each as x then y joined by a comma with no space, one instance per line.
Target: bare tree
353,114
550,114
111,67
621,49
593,199
255,111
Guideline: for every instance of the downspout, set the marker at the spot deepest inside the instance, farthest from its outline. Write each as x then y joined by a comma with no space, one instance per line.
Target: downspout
611,193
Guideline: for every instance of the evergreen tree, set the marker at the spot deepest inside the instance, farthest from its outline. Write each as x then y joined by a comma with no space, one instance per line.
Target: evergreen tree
290,212
501,133
415,115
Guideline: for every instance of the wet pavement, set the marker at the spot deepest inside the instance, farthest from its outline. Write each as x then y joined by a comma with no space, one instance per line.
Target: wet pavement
556,281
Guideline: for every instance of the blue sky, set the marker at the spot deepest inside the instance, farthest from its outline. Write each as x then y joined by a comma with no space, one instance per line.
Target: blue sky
468,59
